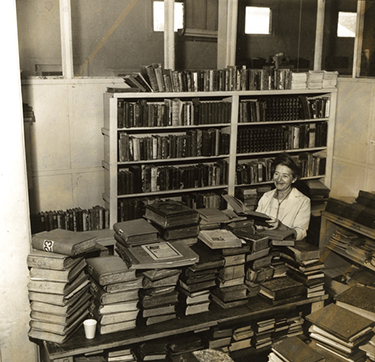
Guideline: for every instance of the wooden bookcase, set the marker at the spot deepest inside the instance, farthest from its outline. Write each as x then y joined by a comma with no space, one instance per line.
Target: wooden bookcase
234,124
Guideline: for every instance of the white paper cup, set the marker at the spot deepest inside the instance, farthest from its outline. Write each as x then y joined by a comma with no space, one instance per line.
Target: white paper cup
90,328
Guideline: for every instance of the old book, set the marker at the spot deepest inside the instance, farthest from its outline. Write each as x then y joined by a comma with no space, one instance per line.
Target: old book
48,260
340,322
63,241
152,350
229,282
196,287
231,272
171,213
219,239
229,294
303,251
280,288
156,274
277,234
160,318
111,318
164,309
64,320
208,259
231,260
187,298
109,269
62,288
117,307
238,345
170,280
108,298
197,278
358,299
152,301
293,349
62,310
195,308
136,232
180,232
230,304
158,255
116,327
257,254
48,336
122,286
64,276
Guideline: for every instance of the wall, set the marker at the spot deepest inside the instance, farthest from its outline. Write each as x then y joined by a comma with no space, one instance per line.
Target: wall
14,225
354,147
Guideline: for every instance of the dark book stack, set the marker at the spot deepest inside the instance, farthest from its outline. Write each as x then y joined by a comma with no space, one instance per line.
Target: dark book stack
295,324
121,354
340,331
304,265
58,287
318,194
263,332
198,200
183,344
152,351
369,349
220,338
212,218
115,289
158,297
197,281
249,196
294,349
242,338
173,219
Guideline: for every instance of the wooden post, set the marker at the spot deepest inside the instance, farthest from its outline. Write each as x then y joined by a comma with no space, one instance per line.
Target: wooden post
358,41
319,35
66,39
169,47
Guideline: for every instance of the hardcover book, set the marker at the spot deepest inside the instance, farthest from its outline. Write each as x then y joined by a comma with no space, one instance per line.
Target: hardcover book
108,298
164,309
156,274
123,286
136,232
116,327
229,294
180,232
47,260
340,322
152,301
109,270
63,241
303,251
219,239
208,259
171,213
280,288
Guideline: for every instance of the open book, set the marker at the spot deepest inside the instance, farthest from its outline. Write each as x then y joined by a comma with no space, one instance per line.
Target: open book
240,209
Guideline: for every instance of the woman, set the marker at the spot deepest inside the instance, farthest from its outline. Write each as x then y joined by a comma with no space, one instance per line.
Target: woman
288,207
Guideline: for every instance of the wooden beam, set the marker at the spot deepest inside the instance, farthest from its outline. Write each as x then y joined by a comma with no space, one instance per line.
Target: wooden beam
358,41
169,46
319,35
66,39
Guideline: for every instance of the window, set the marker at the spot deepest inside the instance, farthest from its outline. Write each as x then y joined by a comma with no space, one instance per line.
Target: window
257,20
346,24
159,15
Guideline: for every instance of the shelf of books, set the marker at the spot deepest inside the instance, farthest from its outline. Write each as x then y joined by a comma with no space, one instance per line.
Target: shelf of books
198,145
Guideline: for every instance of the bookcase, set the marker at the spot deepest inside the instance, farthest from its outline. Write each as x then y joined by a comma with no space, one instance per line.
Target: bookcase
198,145
338,257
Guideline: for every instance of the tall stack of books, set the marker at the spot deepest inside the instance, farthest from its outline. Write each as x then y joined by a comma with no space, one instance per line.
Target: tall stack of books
197,280
340,331
158,296
315,79
58,287
299,80
220,338
173,219
330,79
115,289
304,265
249,197
263,330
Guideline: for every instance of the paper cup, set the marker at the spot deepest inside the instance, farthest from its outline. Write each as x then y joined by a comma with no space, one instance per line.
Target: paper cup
90,328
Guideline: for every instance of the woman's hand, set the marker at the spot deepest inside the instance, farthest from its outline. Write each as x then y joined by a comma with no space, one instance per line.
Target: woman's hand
273,223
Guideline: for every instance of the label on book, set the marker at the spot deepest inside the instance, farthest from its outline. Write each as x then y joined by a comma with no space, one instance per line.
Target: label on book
161,251
48,245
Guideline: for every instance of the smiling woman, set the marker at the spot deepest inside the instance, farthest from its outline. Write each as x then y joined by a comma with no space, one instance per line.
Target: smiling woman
288,207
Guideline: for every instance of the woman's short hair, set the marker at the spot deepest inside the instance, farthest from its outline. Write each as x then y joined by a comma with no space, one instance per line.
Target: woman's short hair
285,159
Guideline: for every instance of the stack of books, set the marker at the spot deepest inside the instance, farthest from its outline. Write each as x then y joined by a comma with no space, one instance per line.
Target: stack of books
152,351
220,338
315,79
121,354
249,197
304,265
292,350
173,219
241,338
158,297
340,331
212,218
263,331
58,287
197,280
369,349
295,324
299,80
182,344
115,289
330,79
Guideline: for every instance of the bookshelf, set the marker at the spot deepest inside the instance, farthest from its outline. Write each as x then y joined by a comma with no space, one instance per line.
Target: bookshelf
168,145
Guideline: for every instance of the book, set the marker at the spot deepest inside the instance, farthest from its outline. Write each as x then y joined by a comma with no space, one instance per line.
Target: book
219,239
340,322
230,304
48,336
156,274
66,275
160,318
167,281
117,307
158,255
108,298
281,288
208,259
116,327
152,301
303,251
63,241
171,213
231,272
109,269
195,308
179,232
136,232
111,318
358,299
293,349
195,287
164,309
48,260
229,294
122,286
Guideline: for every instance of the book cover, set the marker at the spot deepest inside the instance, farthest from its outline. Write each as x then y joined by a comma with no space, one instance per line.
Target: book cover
67,275
110,318
229,294
117,307
63,241
158,255
156,274
293,349
109,269
160,318
231,304
123,286
231,272
152,301
167,281
197,286
303,250
162,310
48,260
280,288
219,239
208,259
171,213
340,322
108,298
135,232
358,299
187,231
117,327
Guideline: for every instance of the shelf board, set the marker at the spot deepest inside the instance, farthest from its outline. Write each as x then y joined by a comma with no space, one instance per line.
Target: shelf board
257,308
160,129
297,150
198,159
240,124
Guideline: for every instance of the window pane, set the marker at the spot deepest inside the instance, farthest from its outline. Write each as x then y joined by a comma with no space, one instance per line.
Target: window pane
39,37
289,29
368,46
257,20
159,16
113,40
346,24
